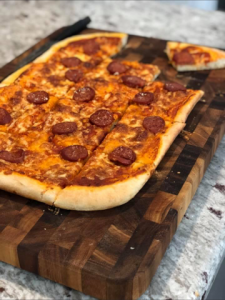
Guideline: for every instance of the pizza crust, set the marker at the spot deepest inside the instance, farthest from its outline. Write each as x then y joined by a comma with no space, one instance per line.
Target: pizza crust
167,139
11,78
86,198
28,187
186,109
217,63
44,57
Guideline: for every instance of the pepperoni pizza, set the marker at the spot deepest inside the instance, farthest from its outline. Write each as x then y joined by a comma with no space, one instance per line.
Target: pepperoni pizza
188,57
82,131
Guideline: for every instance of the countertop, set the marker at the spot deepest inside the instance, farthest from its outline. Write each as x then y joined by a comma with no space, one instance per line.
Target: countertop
197,249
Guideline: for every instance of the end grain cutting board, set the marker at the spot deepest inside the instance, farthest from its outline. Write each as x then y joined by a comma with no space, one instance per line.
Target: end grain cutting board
114,254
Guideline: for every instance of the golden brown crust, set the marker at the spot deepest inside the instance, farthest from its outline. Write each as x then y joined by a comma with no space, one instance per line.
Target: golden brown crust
167,139
11,78
100,198
28,187
185,110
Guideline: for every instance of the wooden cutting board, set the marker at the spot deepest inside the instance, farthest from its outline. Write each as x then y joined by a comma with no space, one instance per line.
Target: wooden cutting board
114,254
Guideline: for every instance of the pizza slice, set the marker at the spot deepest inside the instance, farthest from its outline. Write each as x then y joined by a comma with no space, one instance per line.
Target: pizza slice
170,100
18,105
189,57
36,172
19,171
25,150
101,184
54,79
130,73
29,158
57,73
122,164
94,45
65,127
99,93
148,135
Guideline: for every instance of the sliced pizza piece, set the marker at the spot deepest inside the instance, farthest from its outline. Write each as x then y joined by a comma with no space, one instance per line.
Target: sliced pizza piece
122,164
189,57
170,100
15,101
29,148
54,72
130,73
99,92
52,78
95,45
31,155
55,167
149,136
65,127
18,174
102,184
37,175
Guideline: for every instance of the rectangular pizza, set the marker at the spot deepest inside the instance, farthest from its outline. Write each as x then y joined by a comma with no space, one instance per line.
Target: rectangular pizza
83,131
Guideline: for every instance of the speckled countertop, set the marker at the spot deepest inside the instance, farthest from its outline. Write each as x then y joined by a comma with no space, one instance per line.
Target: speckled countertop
197,249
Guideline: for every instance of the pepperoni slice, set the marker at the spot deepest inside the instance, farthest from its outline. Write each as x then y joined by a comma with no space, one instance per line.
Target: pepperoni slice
145,98
38,97
115,68
133,81
122,155
154,124
102,118
174,86
183,58
91,47
74,153
64,128
71,62
5,117
74,75
13,157
84,94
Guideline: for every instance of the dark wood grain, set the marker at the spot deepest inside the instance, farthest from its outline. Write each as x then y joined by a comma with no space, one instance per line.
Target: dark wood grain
114,254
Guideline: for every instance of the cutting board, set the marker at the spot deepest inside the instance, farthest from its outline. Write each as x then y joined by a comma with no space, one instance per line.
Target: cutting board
114,254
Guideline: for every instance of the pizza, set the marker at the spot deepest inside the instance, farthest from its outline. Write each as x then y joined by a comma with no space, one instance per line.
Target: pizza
83,131
189,57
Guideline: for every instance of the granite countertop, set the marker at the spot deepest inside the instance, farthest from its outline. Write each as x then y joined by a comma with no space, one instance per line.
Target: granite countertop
197,249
